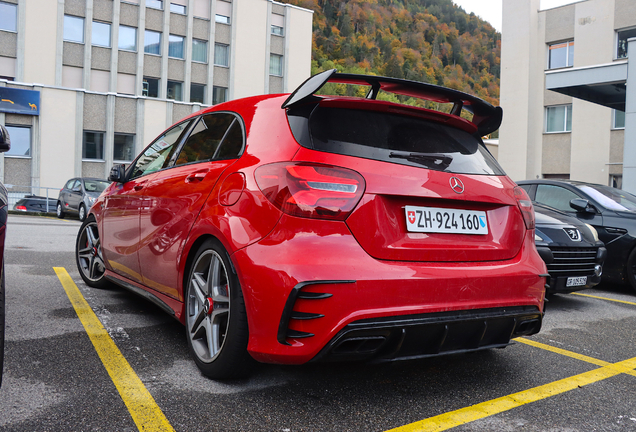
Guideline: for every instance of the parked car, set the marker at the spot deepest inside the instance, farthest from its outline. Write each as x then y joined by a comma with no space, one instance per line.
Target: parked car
297,228
34,203
78,195
5,145
611,211
571,250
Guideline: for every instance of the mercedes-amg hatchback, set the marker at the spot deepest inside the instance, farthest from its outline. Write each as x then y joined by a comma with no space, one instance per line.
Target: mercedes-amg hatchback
298,228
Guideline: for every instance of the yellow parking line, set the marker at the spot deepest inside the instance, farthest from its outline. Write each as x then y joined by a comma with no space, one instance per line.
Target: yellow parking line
141,405
485,409
605,298
572,354
567,353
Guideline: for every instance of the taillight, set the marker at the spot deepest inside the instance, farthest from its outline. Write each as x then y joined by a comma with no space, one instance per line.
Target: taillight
525,205
311,190
21,208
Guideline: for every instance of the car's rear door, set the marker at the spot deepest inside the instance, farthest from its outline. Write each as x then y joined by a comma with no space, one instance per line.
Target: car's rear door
120,230
175,197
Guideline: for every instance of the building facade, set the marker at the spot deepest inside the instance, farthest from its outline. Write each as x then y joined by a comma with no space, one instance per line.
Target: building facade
112,74
551,134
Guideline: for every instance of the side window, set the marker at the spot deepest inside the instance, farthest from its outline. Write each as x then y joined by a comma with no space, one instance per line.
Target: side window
207,138
232,143
69,184
555,196
77,186
158,154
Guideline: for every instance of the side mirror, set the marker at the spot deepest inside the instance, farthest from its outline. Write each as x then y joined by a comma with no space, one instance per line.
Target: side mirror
582,205
5,140
117,173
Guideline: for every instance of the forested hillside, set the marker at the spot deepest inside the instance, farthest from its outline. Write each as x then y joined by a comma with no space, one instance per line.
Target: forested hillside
432,41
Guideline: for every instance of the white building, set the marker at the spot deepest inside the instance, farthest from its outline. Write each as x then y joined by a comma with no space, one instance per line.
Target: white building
563,90
113,74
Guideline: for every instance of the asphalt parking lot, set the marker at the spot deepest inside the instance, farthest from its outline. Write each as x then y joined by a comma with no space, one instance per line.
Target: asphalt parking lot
105,360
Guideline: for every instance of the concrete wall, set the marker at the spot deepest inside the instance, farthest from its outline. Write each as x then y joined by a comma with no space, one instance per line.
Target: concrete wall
249,41
57,114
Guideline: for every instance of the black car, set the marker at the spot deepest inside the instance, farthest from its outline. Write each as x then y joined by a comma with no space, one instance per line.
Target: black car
571,250
5,145
78,195
34,203
611,211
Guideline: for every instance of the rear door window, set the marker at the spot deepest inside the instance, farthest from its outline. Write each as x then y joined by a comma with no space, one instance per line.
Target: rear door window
211,138
399,139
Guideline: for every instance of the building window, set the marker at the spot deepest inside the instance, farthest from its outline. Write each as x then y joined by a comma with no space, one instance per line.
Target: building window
101,34
124,148
73,29
277,30
276,64
197,93
93,145
616,180
20,141
152,42
175,90
221,55
155,4
150,87
199,51
618,119
127,38
622,36
559,118
219,95
175,46
8,17
177,8
222,19
561,55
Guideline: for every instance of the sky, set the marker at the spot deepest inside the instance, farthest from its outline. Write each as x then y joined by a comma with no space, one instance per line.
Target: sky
490,10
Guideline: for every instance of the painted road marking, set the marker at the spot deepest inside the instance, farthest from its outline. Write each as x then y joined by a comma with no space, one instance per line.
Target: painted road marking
605,298
486,409
142,407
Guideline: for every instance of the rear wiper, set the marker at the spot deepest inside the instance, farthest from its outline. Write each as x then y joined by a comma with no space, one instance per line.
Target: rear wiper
431,160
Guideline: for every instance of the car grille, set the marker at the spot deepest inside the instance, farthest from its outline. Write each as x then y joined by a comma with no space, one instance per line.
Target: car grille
572,261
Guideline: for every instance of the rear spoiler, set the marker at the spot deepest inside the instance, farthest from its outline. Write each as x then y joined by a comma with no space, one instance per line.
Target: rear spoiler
486,117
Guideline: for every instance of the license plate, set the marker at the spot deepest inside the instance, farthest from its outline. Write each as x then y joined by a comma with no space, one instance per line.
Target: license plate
576,281
444,220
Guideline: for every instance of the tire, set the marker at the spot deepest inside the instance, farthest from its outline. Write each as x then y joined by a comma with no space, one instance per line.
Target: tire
59,210
1,326
88,255
631,269
216,320
82,212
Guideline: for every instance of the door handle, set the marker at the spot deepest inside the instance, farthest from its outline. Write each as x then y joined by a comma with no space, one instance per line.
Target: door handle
196,176
140,186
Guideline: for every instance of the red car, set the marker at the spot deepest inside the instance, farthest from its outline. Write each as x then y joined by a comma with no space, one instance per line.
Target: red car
298,228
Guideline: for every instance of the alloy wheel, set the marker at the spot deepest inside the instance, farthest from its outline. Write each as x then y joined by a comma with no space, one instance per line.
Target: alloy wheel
208,306
89,253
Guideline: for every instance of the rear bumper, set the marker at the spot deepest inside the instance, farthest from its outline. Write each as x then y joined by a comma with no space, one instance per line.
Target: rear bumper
419,336
308,290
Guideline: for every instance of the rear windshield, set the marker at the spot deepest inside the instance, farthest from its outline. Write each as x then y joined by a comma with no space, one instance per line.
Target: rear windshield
399,139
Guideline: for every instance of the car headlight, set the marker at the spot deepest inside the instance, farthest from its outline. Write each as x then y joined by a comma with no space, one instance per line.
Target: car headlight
593,231
537,237
91,200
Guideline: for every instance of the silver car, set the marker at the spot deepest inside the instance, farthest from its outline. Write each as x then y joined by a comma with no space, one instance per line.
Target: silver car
78,195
